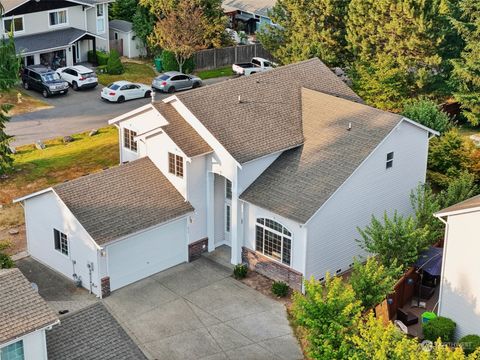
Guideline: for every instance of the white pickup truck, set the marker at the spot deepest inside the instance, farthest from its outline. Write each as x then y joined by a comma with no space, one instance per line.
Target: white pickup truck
255,66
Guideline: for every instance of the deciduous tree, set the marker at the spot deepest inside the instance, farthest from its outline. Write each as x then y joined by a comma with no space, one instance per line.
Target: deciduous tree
123,9
428,113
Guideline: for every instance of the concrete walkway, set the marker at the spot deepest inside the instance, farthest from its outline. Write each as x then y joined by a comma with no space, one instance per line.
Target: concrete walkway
198,311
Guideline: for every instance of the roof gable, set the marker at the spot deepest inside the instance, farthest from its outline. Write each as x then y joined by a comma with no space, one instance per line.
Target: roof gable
123,200
461,207
301,180
261,114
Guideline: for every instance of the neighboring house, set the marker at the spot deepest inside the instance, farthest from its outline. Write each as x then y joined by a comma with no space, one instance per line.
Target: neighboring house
253,14
125,40
24,318
56,33
281,167
460,282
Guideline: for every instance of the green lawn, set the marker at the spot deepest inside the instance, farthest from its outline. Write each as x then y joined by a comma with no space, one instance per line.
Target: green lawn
134,72
23,102
210,74
37,169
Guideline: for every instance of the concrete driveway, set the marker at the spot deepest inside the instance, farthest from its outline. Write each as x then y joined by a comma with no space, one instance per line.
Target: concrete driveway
76,112
198,311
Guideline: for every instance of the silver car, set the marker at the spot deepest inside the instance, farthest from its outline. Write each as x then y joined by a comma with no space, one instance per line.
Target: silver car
172,81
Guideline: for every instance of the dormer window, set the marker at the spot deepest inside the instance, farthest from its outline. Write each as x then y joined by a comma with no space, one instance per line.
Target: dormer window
175,165
58,17
389,160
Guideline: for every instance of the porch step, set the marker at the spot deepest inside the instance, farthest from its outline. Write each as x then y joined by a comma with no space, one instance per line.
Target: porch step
221,255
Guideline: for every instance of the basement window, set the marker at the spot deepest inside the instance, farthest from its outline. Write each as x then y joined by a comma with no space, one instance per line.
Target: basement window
61,242
175,165
129,140
389,160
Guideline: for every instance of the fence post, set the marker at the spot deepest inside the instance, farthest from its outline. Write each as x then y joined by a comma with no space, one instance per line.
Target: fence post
214,58
236,54
255,50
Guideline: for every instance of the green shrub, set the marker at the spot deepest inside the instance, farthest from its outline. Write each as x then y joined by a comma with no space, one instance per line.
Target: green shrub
101,69
169,63
114,64
428,113
6,261
469,343
279,288
240,271
102,57
440,327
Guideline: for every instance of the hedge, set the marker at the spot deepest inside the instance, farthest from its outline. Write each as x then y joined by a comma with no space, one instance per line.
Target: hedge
169,63
440,327
469,343
114,64
102,57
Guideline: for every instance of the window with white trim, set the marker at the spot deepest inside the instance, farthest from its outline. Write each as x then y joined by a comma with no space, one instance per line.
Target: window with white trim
175,165
273,240
389,163
228,189
13,351
61,241
14,23
58,17
100,19
129,139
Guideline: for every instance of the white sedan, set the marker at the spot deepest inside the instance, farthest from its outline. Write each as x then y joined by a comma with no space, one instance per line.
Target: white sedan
120,91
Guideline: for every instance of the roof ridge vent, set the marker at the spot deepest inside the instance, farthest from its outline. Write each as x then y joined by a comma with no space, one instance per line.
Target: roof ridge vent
349,126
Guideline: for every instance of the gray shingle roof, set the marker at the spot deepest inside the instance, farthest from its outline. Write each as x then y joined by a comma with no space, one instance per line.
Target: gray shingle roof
269,117
181,132
91,334
122,200
464,205
47,40
298,183
121,25
22,309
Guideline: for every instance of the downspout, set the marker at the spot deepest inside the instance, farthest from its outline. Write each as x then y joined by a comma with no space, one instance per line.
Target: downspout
445,238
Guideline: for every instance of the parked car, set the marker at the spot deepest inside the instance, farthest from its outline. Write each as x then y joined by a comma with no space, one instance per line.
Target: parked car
43,79
119,91
172,81
255,66
79,77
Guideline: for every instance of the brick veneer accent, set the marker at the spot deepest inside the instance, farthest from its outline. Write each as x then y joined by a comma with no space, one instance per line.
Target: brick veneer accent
196,249
105,286
272,269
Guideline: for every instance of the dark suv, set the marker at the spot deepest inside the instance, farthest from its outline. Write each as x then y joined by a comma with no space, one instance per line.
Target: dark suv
43,79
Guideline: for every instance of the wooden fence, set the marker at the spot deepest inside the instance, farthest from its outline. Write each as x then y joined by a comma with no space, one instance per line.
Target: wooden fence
117,45
215,58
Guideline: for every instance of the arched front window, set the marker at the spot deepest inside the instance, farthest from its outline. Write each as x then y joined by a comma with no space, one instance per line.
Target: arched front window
273,240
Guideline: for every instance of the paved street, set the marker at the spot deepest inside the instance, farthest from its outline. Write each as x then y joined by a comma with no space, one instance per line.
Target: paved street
198,311
76,112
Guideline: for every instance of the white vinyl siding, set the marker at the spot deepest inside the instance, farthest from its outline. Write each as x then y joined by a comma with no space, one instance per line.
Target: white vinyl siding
372,189
460,283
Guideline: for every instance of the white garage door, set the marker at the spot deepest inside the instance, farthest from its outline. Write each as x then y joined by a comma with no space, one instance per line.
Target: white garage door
147,253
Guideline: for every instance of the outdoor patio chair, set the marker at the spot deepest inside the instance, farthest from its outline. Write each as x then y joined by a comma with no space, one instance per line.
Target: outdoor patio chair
426,292
407,317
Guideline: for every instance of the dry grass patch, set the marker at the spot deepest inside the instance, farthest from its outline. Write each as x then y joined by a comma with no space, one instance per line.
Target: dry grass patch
27,103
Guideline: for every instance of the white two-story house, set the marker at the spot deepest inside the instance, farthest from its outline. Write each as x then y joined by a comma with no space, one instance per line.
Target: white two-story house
56,32
281,167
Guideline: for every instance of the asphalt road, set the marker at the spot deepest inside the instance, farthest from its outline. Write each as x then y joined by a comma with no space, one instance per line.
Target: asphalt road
76,112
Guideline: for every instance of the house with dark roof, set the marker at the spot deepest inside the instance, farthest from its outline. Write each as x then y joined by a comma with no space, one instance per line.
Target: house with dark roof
280,167
56,33
459,297
24,318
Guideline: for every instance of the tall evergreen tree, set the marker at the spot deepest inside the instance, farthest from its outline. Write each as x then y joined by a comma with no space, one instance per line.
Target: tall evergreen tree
9,63
307,28
405,38
466,73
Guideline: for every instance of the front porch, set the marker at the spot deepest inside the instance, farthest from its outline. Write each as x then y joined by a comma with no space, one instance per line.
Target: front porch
221,255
